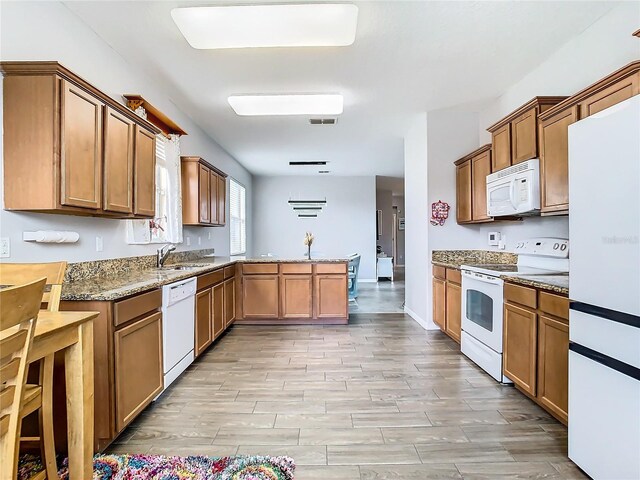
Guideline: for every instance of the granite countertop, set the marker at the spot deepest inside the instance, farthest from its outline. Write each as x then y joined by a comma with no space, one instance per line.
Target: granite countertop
453,265
124,284
553,283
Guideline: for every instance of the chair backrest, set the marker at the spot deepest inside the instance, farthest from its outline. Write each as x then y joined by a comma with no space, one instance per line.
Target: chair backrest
19,308
21,273
354,264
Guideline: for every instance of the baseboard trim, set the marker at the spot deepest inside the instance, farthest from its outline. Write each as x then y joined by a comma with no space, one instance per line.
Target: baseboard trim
419,320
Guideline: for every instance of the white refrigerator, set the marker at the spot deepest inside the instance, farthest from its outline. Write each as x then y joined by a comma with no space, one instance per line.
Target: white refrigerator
604,286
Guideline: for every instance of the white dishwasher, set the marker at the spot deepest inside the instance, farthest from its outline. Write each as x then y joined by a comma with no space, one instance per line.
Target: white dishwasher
178,328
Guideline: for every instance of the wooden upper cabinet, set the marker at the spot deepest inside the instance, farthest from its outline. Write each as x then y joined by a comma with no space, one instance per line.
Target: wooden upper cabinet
144,199
463,192
617,92
439,303
78,140
296,300
213,197
554,161
515,137
119,133
501,146
480,168
524,141
222,200
520,347
203,193
81,155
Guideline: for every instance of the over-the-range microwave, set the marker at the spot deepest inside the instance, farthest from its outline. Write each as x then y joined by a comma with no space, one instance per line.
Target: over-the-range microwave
514,190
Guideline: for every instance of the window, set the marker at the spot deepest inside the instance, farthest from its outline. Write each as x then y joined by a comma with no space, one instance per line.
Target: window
238,221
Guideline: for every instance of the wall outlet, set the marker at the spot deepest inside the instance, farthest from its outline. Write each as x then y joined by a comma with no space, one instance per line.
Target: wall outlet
209,235
199,240
493,238
5,247
99,244
188,240
502,243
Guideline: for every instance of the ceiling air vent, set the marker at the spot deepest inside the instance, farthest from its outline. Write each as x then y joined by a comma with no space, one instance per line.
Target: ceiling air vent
297,164
323,121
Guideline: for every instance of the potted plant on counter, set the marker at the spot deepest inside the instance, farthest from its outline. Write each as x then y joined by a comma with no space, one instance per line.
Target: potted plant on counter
308,240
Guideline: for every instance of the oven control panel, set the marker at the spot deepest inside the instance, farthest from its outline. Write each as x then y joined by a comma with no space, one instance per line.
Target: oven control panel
546,246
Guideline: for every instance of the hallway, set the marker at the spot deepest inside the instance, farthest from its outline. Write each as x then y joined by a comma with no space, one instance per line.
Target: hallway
384,296
380,398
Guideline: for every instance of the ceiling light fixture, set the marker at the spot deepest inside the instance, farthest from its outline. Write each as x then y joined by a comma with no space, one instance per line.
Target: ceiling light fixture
304,104
298,25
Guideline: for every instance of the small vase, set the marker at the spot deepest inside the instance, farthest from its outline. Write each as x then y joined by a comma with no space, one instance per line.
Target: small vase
308,252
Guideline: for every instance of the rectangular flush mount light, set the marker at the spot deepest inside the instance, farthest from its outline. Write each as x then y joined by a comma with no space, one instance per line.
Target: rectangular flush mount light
298,25
309,104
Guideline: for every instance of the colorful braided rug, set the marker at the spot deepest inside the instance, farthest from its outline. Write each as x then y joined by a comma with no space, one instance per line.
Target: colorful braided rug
159,467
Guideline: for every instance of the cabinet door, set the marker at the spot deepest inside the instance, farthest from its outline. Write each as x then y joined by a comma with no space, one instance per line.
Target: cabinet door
501,148
524,141
119,133
439,303
229,302
520,347
260,296
554,160
454,310
203,192
296,296
145,173
213,197
330,296
480,168
553,365
463,192
217,309
222,200
138,367
204,320
81,148
616,93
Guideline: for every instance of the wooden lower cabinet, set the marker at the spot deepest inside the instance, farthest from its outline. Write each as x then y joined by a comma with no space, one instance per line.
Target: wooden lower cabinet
519,354
296,296
331,296
439,303
217,309
229,301
536,346
204,326
454,310
260,296
553,365
138,367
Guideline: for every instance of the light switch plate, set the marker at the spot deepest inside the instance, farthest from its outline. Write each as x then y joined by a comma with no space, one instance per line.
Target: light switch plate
99,244
188,239
5,247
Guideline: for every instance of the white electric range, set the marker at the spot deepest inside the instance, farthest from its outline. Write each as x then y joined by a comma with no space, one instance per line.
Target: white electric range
482,298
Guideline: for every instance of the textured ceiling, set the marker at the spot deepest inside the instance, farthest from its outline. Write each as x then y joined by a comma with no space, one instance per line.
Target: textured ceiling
408,57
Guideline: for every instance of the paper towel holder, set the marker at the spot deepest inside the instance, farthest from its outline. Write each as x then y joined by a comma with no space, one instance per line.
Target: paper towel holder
51,236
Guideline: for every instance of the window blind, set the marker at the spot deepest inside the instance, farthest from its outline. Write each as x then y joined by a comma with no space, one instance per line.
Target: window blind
237,213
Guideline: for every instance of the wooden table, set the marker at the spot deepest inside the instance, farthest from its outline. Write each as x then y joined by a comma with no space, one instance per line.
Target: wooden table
73,333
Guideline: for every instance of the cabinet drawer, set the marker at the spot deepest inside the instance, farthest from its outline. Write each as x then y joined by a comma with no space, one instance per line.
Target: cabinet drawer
454,275
554,304
229,271
523,295
439,272
260,268
209,279
331,268
134,307
293,268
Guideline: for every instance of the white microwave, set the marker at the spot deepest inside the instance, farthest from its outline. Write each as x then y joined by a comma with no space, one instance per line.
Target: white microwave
514,190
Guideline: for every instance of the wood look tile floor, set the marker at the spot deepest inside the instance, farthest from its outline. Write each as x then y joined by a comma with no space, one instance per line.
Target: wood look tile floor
378,399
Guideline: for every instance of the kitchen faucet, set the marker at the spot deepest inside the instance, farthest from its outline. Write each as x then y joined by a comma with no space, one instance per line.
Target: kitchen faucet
162,254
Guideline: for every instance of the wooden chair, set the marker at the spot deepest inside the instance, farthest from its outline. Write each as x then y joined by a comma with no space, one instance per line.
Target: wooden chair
19,308
17,274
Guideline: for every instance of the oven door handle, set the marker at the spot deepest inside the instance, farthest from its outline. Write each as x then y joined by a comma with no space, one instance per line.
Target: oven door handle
482,278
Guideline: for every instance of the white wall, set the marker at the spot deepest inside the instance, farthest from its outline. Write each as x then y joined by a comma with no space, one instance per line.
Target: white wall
451,133
346,225
416,222
49,31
